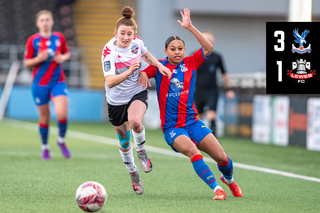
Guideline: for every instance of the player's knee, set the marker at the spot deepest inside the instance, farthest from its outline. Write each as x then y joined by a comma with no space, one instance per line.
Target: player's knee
193,151
222,158
135,124
125,142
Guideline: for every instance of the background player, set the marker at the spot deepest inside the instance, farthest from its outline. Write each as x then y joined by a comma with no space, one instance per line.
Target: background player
45,51
183,131
207,92
127,100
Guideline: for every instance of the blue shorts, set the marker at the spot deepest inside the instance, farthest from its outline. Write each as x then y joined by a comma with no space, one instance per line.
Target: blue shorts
195,131
43,94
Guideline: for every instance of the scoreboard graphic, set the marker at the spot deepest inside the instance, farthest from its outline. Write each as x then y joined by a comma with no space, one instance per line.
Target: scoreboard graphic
293,58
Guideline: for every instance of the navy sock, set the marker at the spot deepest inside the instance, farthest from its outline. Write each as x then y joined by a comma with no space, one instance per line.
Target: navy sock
203,171
44,130
226,169
62,125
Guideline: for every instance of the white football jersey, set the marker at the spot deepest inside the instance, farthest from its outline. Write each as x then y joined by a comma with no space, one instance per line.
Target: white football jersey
115,61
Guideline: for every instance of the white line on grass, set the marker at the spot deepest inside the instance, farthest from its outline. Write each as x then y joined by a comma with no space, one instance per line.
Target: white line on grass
110,141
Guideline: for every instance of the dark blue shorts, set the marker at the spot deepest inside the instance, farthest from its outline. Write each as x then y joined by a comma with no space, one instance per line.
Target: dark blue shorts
195,131
43,94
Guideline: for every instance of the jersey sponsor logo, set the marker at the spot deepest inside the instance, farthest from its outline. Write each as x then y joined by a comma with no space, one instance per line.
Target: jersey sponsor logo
119,56
51,52
301,39
176,84
106,66
176,94
106,52
134,48
48,43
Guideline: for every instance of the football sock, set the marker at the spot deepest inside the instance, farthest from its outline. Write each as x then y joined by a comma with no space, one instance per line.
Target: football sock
128,160
62,125
213,126
227,170
203,171
139,139
44,129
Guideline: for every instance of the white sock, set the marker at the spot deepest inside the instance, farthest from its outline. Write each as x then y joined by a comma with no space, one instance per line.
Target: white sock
217,187
44,146
60,140
128,160
230,181
139,139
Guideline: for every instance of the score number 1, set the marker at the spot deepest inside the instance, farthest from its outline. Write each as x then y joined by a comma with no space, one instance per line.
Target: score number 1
279,48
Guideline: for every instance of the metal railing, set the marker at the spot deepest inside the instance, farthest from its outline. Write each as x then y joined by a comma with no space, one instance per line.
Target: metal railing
75,69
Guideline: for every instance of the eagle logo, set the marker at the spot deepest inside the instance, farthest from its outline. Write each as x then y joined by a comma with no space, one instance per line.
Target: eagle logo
300,39
176,84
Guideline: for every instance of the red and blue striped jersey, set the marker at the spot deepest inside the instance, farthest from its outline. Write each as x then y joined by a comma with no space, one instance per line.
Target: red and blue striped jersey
48,72
175,96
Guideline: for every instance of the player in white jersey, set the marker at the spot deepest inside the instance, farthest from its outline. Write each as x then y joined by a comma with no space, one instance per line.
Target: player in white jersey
127,100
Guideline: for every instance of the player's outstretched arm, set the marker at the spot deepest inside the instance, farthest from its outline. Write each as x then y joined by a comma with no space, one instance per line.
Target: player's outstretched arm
187,24
150,59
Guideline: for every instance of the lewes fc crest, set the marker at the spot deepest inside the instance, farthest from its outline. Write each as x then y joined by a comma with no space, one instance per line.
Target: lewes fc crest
301,39
301,71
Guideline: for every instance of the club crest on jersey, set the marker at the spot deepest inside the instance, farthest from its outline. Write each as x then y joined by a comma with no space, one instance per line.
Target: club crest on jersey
134,48
176,84
300,39
183,68
106,66
301,71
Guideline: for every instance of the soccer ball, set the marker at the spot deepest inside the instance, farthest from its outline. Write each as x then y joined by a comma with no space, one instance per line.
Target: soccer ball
91,196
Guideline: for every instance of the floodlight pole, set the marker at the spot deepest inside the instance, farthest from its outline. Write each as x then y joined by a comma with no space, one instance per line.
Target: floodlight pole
300,11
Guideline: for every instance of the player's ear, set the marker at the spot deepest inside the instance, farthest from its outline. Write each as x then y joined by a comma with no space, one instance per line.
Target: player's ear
165,51
115,32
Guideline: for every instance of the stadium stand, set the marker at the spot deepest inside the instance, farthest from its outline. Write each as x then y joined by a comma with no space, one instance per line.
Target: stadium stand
94,23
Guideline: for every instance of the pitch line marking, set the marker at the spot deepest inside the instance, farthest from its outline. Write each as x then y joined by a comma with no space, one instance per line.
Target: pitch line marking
111,141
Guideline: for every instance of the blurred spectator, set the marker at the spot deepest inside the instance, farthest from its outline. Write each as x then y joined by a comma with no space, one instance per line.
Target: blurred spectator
207,92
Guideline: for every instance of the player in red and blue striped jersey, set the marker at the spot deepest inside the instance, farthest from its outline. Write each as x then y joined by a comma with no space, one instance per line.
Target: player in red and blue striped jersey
45,51
183,131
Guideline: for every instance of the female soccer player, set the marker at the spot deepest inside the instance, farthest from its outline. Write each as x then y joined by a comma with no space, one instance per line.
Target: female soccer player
45,51
183,131
127,100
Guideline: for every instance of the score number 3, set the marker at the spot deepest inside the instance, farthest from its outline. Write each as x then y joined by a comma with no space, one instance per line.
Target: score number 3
279,48
280,40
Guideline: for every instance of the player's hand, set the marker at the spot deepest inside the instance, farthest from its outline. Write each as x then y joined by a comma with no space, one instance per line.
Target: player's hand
58,58
42,55
164,71
144,80
230,94
134,66
186,21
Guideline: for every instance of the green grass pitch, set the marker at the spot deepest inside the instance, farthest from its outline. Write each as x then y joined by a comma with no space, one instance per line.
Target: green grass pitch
29,184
